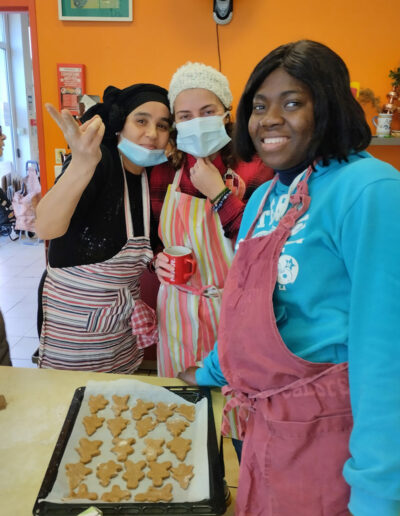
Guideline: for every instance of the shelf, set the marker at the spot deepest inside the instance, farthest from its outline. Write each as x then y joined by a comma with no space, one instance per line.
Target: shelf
385,141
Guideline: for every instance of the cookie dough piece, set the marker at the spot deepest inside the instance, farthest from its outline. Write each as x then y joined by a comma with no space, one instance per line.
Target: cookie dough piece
106,471
154,448
180,447
116,495
92,423
158,472
76,473
88,449
187,411
116,425
183,474
133,474
97,403
156,495
123,447
120,404
176,427
145,425
141,408
82,493
164,411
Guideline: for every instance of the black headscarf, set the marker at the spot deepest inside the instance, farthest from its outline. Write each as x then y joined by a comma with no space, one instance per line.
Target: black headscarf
117,104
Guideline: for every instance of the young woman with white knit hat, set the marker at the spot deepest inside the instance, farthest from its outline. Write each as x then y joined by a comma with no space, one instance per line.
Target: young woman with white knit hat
201,210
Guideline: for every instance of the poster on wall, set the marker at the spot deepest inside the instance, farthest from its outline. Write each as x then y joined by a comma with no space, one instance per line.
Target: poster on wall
71,85
95,10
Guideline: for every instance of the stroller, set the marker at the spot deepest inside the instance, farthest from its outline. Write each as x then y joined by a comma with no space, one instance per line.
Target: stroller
25,200
7,217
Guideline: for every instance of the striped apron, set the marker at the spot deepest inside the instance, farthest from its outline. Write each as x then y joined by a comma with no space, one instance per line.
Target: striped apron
87,308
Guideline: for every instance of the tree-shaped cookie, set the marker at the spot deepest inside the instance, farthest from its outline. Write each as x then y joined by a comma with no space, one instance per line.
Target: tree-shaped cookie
187,411
183,474
133,474
88,449
116,425
141,408
106,471
76,472
180,447
97,403
156,495
122,447
92,423
176,426
120,404
145,425
154,448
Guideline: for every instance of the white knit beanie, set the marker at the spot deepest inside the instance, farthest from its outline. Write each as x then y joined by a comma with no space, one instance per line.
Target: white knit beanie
199,75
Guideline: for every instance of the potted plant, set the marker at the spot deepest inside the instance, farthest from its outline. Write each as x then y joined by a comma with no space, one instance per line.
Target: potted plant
395,76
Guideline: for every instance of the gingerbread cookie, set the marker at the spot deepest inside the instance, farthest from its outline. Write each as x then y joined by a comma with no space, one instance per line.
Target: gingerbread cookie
120,404
134,473
187,411
106,471
92,423
145,425
164,411
116,425
116,495
141,408
123,447
180,447
183,474
82,493
97,403
88,449
158,472
76,473
176,427
156,495
154,448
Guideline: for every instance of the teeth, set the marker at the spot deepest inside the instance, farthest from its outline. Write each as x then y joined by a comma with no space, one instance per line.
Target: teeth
274,140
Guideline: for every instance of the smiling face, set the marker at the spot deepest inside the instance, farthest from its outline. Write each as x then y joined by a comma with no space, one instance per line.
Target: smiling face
196,103
281,124
148,125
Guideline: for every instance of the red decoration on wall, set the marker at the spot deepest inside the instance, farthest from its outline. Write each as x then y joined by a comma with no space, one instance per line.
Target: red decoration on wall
71,84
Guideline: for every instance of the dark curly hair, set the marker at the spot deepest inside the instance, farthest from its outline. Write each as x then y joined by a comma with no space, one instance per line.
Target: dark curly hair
340,125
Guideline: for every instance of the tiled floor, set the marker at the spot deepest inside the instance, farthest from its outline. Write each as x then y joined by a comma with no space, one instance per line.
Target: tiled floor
21,266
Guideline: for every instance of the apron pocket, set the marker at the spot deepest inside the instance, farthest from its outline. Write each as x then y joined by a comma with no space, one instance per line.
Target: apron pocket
303,466
113,317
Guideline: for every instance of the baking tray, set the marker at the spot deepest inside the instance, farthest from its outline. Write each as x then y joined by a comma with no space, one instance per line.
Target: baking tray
215,505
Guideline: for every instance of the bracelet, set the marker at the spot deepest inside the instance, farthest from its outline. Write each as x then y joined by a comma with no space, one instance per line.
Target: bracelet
217,206
221,193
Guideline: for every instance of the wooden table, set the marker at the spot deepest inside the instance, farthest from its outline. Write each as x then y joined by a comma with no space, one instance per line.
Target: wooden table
37,403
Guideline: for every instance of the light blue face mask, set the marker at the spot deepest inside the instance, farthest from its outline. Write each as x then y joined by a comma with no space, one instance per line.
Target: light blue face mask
140,155
202,136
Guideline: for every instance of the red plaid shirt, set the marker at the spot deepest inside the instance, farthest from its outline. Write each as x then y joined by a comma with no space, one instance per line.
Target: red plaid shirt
254,174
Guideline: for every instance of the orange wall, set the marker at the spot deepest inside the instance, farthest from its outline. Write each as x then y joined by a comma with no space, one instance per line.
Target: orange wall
165,34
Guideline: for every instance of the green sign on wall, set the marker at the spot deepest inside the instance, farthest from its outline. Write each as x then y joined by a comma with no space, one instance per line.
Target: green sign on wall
95,10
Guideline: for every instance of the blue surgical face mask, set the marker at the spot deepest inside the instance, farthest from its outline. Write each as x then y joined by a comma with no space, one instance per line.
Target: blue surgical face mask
140,155
202,136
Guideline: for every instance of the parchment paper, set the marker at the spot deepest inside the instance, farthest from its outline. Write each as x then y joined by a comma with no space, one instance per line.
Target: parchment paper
199,487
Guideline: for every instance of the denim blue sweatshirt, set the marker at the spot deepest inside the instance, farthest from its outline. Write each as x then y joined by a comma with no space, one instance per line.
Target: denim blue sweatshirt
337,299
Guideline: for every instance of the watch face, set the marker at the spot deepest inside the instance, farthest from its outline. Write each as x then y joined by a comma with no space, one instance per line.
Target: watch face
80,3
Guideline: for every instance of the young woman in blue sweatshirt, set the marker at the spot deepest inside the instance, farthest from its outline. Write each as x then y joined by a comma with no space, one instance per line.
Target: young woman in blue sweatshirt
336,297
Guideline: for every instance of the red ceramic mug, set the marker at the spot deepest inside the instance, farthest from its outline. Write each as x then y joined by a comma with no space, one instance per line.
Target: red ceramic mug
182,259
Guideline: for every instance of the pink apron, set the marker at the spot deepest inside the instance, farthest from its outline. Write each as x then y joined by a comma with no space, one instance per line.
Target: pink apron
295,416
